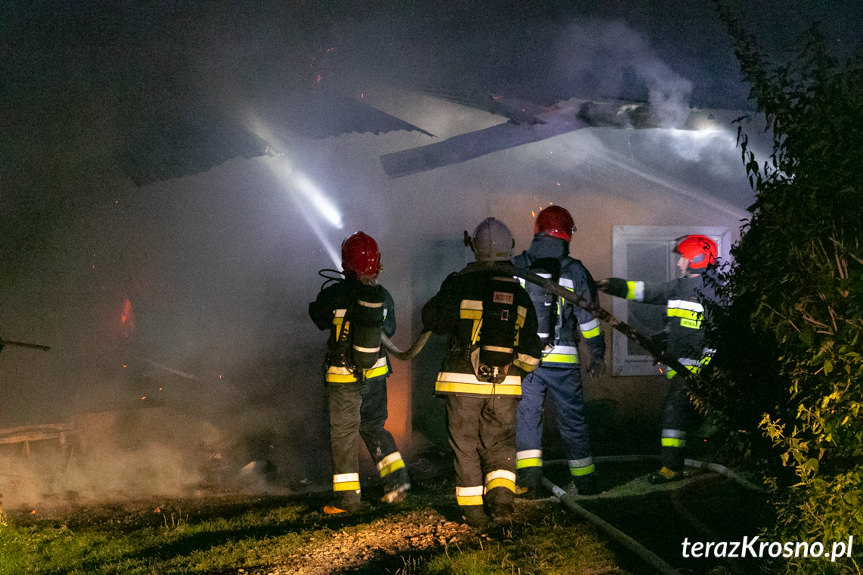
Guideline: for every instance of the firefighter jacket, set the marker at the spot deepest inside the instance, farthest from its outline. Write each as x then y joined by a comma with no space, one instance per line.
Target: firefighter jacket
568,323
457,311
332,310
685,315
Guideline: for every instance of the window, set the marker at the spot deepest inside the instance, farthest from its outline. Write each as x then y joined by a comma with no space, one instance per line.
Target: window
645,253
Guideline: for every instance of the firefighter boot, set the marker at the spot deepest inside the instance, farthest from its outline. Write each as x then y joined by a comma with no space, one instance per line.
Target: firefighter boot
664,475
475,516
397,495
586,484
529,483
345,502
499,502
396,486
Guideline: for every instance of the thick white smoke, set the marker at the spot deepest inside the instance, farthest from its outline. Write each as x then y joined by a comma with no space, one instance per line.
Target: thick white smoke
608,58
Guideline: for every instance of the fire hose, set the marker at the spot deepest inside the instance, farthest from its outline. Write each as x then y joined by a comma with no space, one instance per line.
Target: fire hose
6,342
628,542
507,268
631,544
598,312
410,352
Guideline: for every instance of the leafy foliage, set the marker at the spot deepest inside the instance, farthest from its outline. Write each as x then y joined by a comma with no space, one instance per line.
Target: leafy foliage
788,375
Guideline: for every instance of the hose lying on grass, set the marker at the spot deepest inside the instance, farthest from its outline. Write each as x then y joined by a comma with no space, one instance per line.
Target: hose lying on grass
628,542
619,536
715,467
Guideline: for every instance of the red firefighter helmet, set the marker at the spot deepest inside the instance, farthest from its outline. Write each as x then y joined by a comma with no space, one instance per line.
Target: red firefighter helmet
701,251
555,221
360,256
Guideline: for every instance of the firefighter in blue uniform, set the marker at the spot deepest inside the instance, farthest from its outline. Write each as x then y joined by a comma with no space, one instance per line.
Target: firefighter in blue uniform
561,326
683,299
356,311
491,326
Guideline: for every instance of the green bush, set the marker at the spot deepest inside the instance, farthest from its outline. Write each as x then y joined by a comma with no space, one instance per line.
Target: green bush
787,380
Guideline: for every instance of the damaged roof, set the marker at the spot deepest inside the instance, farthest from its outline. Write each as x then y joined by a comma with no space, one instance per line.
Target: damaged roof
161,144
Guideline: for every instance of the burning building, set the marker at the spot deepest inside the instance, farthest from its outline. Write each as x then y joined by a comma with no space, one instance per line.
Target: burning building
168,211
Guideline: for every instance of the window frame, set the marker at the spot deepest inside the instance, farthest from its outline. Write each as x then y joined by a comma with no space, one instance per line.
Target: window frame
623,362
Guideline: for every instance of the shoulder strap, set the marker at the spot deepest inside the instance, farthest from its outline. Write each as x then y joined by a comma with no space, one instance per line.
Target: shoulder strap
551,266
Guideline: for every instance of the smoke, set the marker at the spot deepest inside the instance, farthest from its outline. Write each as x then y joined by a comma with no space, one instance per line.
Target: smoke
608,59
222,366
219,370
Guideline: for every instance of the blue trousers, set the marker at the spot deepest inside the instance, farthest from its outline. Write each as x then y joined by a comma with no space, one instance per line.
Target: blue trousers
565,389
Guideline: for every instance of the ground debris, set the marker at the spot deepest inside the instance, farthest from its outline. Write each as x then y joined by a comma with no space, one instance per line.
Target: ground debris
406,532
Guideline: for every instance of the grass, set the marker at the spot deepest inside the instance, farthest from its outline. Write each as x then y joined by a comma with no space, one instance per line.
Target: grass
259,535
126,540
554,545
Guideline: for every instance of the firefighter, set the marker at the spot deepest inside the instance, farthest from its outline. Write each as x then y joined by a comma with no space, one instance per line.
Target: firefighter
491,326
356,311
683,299
562,325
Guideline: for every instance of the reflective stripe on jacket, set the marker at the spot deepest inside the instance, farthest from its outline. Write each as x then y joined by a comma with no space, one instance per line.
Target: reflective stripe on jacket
575,322
685,312
457,311
328,311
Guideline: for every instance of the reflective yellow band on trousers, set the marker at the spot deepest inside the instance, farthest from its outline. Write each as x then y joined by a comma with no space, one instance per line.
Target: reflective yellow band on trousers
528,458
390,463
500,478
581,467
469,495
346,482
673,438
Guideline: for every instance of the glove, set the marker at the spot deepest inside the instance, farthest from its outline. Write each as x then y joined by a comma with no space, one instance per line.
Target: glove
614,286
660,339
597,367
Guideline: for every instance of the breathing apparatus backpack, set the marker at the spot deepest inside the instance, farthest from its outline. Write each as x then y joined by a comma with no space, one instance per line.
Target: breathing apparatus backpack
549,319
493,343
359,341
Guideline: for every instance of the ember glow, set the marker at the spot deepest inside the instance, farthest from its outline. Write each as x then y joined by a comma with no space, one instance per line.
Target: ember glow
127,318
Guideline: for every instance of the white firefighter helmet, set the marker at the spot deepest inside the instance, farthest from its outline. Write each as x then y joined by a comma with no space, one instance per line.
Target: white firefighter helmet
492,241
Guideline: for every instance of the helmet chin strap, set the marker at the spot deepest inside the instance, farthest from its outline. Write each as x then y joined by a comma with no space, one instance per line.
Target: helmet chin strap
468,241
